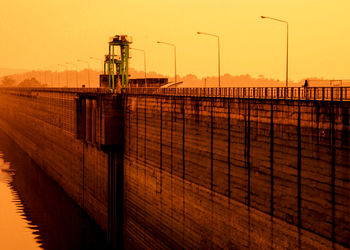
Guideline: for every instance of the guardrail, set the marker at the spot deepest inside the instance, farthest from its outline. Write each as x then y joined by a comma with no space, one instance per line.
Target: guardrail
299,93
57,90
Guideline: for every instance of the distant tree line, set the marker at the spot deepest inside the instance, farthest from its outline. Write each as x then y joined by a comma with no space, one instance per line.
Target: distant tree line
26,83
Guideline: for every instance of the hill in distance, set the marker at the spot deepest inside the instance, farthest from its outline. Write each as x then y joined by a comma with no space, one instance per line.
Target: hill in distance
7,71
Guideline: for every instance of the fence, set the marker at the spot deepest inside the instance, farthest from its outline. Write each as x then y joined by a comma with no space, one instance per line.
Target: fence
301,93
329,83
297,93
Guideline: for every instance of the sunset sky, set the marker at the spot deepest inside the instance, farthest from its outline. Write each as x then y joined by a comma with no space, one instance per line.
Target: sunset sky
40,34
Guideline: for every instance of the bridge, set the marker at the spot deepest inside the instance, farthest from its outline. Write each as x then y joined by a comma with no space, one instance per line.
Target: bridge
195,167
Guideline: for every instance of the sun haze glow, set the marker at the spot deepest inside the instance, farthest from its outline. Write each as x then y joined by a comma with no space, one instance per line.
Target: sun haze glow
36,34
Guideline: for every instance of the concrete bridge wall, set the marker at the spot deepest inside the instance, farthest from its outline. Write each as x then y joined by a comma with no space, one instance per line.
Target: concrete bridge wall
171,171
237,173
45,125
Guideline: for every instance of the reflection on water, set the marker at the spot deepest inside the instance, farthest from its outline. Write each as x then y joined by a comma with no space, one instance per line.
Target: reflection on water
34,212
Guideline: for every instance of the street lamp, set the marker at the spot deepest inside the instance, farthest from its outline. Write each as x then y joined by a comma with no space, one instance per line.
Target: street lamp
76,70
88,69
173,45
203,33
282,21
144,62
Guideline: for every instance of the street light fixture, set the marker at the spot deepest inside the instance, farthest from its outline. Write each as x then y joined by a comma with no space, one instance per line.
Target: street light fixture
282,21
76,70
208,34
88,70
144,62
173,45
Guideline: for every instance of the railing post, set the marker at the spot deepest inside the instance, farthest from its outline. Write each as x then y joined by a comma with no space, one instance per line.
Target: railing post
271,92
346,94
323,94
341,93
332,94
315,94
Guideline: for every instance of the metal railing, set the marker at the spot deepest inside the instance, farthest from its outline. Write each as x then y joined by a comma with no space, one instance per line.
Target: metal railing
298,93
57,90
291,93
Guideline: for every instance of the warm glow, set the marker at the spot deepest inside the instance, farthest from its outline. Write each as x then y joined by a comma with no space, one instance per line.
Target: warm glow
38,34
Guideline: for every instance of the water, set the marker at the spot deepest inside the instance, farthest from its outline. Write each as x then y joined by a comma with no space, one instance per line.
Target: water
34,212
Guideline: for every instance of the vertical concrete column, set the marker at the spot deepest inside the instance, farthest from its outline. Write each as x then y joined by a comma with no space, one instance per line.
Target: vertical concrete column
271,161
80,118
116,197
299,166
98,120
247,148
88,120
113,143
228,149
333,154
93,120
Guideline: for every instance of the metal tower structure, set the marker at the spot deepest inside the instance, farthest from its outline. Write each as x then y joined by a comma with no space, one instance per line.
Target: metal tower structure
116,65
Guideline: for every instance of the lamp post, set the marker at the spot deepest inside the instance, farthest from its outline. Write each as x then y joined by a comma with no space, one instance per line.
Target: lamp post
208,34
282,21
76,70
144,62
173,45
88,70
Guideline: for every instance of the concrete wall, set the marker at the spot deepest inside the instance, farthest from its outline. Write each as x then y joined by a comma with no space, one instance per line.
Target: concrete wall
44,124
235,173
167,171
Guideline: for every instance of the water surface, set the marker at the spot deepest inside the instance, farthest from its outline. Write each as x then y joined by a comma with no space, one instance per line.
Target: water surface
34,211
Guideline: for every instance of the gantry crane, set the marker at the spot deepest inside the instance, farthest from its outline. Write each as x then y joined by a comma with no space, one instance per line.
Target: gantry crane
116,64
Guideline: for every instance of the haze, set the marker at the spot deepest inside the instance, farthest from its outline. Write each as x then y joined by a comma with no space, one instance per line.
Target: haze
41,34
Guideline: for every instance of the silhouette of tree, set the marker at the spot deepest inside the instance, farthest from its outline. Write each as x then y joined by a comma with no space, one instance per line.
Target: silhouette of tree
8,82
32,82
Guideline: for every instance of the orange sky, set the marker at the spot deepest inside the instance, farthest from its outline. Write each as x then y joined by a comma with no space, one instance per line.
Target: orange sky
40,34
